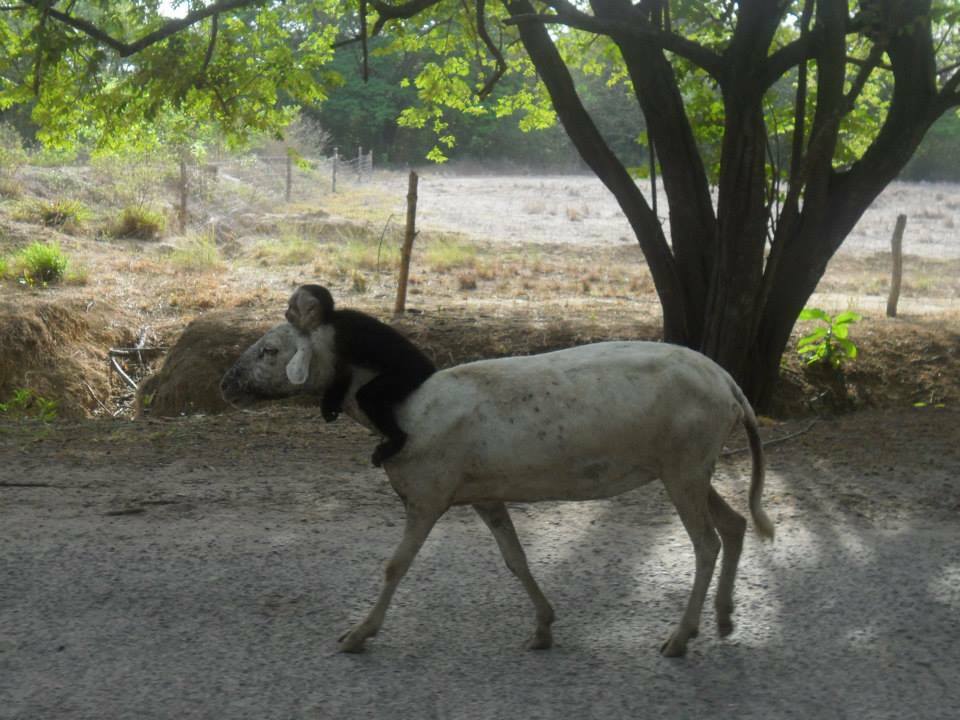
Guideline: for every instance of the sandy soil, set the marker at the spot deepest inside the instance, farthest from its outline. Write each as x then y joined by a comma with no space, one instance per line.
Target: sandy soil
203,567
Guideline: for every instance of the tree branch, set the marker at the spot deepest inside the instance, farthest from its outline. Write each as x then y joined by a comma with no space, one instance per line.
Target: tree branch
214,27
949,90
868,66
387,12
790,55
493,49
626,29
125,49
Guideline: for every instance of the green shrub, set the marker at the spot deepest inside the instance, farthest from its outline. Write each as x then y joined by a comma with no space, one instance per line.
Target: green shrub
10,188
26,403
12,153
53,213
829,342
138,222
197,254
40,264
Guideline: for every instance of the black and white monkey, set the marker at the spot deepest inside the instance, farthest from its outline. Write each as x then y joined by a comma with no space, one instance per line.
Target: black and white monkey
362,341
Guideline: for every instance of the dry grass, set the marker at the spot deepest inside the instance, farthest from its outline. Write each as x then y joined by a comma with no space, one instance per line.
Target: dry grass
198,253
475,297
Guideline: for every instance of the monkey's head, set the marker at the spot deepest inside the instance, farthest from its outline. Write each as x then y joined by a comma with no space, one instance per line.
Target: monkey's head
310,307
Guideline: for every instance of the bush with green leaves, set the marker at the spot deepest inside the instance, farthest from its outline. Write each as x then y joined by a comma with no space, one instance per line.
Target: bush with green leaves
39,264
60,213
12,153
829,342
197,254
138,222
26,403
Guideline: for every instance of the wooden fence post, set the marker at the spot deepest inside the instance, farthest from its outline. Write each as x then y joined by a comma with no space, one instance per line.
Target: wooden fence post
333,176
409,234
359,161
289,175
182,210
896,247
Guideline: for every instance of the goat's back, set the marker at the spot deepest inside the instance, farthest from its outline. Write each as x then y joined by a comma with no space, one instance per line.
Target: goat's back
582,423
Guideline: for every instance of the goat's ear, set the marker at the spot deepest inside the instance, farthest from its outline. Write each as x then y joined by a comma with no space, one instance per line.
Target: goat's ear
298,369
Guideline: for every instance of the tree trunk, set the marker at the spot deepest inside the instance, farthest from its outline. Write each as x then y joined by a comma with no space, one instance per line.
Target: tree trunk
721,291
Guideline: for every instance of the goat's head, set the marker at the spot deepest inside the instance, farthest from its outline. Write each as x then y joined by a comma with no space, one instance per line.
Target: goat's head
282,363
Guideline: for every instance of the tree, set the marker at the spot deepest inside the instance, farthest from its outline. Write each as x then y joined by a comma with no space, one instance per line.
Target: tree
105,71
734,275
849,86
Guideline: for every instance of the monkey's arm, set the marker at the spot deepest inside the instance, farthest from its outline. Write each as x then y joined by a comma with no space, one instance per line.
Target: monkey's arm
332,402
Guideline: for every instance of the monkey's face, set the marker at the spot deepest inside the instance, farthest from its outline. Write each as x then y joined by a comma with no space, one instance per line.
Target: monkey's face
304,311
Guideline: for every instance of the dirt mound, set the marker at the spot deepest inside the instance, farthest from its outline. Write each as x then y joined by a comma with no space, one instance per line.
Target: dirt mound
58,351
189,381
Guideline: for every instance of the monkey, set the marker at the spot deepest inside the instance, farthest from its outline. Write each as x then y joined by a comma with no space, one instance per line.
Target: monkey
360,340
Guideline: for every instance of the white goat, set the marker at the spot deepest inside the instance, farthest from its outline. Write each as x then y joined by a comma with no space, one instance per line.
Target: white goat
580,424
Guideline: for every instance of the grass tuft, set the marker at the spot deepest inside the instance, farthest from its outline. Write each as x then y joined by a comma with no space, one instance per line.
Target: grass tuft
287,250
138,222
62,213
38,264
197,254
447,254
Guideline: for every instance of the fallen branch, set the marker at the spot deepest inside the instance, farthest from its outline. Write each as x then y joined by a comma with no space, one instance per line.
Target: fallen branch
94,396
116,366
774,441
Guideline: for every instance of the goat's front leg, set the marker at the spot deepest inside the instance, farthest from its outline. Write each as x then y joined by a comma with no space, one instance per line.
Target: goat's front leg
419,522
497,518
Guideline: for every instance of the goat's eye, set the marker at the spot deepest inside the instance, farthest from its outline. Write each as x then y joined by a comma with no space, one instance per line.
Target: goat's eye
269,351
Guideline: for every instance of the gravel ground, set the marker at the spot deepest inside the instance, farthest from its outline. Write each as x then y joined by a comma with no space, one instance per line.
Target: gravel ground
166,570
579,209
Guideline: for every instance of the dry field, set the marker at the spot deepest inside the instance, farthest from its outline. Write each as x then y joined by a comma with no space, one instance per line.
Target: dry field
503,264
202,566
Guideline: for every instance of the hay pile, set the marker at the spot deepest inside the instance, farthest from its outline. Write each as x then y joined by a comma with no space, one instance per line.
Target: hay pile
59,352
189,381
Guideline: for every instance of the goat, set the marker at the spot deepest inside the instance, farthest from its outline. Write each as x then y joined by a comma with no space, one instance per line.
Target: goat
579,424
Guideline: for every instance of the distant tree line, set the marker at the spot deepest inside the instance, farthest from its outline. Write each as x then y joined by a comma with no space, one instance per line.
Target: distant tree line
365,114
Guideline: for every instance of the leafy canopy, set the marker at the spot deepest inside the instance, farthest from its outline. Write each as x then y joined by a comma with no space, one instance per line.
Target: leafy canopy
108,72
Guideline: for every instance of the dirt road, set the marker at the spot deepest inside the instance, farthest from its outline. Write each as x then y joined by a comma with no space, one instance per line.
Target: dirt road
158,570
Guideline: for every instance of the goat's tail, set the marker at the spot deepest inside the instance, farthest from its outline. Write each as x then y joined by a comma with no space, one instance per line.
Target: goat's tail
761,520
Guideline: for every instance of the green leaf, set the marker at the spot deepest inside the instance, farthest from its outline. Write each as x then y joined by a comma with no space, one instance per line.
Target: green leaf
847,317
813,314
818,334
849,349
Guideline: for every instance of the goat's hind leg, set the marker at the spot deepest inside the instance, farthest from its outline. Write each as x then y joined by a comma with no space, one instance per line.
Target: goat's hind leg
497,518
732,527
690,497
418,525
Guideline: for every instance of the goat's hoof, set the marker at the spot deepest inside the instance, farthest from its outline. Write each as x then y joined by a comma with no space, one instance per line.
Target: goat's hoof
540,641
724,627
351,642
675,647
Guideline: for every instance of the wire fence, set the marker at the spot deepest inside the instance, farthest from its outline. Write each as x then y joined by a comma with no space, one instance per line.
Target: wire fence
284,176
228,186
